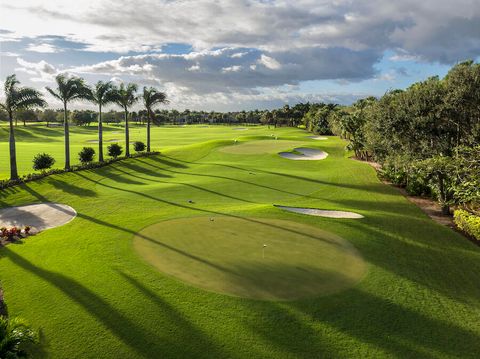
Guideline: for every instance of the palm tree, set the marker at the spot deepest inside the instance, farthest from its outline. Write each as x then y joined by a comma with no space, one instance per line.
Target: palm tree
125,97
69,89
14,335
17,98
102,94
151,98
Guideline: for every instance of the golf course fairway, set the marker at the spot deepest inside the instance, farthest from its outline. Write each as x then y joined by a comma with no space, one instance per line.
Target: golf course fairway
251,257
143,272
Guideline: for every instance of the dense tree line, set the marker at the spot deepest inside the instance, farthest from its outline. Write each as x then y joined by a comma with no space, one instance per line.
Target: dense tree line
426,137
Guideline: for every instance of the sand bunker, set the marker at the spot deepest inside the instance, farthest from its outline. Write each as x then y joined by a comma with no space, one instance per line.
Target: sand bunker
321,212
318,138
38,216
306,154
240,129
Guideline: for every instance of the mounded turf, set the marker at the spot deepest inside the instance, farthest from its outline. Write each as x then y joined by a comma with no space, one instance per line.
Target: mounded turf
91,294
227,255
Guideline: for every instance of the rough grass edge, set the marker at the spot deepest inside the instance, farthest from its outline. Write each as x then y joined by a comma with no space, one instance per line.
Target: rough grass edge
36,176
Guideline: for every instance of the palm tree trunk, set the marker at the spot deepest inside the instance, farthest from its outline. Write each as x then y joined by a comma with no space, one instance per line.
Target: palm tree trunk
148,131
100,134
67,137
13,153
127,135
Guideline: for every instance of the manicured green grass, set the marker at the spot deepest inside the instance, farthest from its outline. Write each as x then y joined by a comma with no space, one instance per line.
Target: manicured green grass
93,296
36,138
250,257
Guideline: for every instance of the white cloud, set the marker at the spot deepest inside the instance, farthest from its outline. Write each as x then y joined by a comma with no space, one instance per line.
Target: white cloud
43,48
8,54
269,62
217,71
435,30
234,68
40,71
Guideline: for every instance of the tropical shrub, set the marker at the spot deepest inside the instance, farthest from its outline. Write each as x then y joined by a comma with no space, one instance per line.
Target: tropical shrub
15,338
43,161
114,150
139,146
86,155
467,222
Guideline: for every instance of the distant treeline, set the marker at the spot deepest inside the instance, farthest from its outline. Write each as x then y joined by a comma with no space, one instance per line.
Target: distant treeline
313,116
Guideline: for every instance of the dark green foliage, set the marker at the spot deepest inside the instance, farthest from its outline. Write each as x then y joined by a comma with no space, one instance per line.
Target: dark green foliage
114,150
15,337
83,118
86,155
43,161
139,146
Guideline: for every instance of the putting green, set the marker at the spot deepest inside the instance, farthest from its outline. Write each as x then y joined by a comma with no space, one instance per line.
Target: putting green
227,255
261,146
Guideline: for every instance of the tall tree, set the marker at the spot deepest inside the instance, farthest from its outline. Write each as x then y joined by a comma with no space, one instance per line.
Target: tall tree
102,94
125,97
151,98
17,98
69,89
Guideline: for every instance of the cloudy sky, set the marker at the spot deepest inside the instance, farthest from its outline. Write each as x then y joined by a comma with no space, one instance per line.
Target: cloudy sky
239,54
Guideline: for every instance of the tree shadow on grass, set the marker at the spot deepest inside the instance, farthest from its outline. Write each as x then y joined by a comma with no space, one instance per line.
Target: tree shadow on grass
70,188
37,134
392,327
115,175
230,179
170,162
375,187
142,342
190,342
428,260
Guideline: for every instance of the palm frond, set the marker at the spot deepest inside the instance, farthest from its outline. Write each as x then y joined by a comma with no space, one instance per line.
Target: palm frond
54,93
125,96
28,97
71,88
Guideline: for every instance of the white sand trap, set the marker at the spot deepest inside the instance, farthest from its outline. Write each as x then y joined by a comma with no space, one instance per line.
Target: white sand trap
240,129
321,212
38,216
306,154
321,138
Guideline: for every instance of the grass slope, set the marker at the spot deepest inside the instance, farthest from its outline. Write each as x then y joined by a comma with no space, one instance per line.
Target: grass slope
85,286
33,139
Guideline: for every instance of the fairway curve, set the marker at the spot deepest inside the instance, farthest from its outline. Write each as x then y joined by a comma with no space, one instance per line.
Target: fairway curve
40,216
304,154
321,212
265,259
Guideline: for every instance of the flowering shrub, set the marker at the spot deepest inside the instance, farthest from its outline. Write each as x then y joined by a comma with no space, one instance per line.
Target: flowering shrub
13,233
467,222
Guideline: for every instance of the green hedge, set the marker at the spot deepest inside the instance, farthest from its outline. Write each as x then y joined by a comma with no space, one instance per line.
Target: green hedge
468,222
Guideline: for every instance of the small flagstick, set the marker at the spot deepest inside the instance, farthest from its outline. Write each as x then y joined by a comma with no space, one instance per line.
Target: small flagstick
263,251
